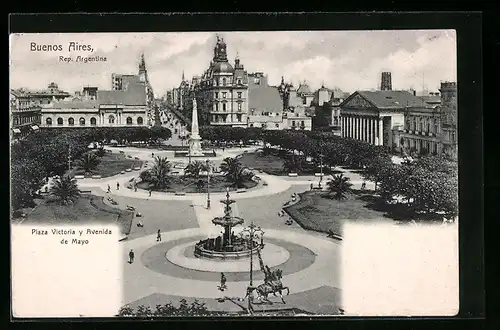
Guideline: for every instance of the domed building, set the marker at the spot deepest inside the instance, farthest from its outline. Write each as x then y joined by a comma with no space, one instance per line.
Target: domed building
222,91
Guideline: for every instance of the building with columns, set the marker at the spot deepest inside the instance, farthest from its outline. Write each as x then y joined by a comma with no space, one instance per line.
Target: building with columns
371,116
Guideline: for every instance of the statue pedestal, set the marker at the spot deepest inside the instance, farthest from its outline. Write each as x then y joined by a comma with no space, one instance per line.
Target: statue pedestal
195,148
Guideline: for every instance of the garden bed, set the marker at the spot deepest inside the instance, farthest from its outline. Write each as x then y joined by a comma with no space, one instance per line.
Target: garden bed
88,209
189,185
111,164
318,213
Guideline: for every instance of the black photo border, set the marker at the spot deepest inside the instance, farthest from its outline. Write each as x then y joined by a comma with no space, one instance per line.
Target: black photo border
468,26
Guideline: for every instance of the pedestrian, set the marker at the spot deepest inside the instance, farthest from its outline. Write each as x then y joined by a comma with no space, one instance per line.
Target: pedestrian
222,282
109,189
150,192
363,185
158,236
312,186
131,256
118,186
135,187
153,155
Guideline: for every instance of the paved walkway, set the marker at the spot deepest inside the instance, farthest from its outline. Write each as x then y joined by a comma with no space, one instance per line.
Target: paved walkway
140,281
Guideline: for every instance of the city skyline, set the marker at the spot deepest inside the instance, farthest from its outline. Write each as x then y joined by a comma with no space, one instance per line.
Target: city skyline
349,60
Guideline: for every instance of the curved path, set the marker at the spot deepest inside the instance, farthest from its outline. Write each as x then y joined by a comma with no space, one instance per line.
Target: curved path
178,275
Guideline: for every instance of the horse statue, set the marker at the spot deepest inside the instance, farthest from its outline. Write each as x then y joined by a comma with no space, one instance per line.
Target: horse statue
272,284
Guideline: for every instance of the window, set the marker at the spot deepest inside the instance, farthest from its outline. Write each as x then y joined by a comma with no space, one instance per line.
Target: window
140,121
48,121
224,95
239,95
93,121
111,119
129,120
293,123
71,121
216,95
302,124
82,121
59,121
223,106
239,81
239,106
216,106
216,82
238,117
223,81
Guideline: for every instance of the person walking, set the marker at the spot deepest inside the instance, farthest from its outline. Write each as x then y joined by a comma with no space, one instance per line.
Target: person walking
131,256
109,189
153,155
118,186
150,192
222,282
158,236
363,185
312,186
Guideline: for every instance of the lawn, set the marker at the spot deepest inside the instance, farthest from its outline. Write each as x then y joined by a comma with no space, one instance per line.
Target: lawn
113,164
267,163
88,209
315,212
189,185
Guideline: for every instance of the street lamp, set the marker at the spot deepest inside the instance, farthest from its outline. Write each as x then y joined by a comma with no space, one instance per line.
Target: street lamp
69,160
250,233
208,183
321,170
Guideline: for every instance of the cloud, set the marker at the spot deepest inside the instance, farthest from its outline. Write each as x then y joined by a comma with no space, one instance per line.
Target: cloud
350,60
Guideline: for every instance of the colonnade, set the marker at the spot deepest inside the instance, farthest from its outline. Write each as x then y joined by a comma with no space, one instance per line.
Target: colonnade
104,118
364,128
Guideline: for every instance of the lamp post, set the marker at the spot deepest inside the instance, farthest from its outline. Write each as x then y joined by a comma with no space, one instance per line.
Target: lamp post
208,183
250,233
321,170
69,160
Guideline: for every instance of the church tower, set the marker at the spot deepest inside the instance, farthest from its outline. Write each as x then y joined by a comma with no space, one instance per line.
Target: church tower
143,73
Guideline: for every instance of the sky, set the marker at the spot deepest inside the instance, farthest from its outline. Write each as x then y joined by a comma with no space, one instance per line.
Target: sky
349,60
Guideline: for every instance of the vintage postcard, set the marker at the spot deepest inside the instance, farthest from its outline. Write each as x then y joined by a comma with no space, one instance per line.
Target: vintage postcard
284,173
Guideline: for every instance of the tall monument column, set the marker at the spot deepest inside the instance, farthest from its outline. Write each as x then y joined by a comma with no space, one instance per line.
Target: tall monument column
195,139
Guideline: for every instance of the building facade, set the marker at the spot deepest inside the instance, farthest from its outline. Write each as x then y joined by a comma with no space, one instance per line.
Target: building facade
25,114
222,91
371,116
421,133
449,118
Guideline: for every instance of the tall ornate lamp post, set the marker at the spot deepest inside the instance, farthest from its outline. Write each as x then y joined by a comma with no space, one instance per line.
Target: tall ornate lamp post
321,170
251,233
208,183
69,160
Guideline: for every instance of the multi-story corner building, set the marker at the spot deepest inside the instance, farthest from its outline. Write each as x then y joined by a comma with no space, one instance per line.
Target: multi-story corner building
449,118
222,91
124,82
25,114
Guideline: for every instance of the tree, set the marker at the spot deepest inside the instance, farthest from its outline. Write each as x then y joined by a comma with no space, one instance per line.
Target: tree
65,189
194,168
200,184
339,186
377,168
196,308
160,172
159,133
292,164
89,162
100,152
235,172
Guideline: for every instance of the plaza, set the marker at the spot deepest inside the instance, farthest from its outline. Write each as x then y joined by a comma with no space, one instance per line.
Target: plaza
168,271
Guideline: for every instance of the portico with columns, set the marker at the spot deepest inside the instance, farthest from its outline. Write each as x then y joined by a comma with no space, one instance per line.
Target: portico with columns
370,116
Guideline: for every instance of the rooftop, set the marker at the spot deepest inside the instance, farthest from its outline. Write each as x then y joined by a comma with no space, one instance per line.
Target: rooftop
390,99
265,98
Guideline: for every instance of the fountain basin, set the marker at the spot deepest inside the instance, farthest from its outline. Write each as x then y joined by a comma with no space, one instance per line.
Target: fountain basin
226,253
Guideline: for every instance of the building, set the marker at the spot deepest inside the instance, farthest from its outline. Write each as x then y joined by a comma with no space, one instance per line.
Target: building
25,113
449,121
386,82
421,133
371,116
125,82
336,98
222,91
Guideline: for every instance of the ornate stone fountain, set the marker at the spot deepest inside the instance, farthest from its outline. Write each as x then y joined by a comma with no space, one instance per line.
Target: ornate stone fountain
227,246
